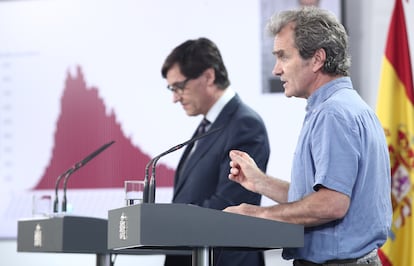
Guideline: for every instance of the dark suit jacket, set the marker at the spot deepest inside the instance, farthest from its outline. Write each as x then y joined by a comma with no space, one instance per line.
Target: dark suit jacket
204,179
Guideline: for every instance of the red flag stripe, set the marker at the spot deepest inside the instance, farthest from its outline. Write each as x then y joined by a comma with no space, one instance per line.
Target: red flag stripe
397,49
384,259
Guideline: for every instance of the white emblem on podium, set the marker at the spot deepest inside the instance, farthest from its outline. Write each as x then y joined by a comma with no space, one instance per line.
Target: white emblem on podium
37,236
123,227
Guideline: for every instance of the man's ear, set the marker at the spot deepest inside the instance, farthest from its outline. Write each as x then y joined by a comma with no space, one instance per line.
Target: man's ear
318,59
210,75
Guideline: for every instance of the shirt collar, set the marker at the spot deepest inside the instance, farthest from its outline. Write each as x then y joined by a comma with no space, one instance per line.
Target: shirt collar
325,91
215,110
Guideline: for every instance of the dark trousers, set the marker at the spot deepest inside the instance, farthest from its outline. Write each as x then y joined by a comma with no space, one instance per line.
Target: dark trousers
222,258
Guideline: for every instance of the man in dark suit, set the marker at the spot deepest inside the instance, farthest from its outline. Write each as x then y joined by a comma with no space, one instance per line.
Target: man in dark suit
198,79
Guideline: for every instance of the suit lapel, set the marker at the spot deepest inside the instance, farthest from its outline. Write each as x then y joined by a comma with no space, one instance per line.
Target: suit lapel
203,145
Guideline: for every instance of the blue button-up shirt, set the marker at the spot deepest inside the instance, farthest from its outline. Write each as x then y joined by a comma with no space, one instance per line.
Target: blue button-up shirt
342,147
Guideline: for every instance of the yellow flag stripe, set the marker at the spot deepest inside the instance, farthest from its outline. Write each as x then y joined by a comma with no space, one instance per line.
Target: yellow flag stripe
396,113
393,107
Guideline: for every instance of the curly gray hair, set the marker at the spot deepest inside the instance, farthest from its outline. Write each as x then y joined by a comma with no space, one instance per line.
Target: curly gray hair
315,28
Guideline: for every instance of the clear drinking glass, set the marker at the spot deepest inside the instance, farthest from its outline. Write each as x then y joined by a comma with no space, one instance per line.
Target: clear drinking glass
134,190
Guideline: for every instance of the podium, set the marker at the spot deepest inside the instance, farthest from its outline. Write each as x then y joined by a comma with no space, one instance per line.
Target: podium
66,234
178,227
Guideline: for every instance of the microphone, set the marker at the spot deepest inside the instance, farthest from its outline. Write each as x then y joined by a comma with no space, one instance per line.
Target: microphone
69,172
149,191
56,202
79,165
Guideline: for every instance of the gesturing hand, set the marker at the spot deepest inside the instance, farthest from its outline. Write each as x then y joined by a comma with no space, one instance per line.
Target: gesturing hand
244,170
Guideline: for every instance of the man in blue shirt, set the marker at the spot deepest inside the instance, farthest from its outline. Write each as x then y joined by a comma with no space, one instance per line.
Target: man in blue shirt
340,179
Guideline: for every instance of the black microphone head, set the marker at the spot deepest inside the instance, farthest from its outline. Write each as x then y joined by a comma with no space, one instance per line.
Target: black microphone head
94,154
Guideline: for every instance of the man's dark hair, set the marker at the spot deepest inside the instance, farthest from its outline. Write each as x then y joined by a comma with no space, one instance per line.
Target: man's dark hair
194,57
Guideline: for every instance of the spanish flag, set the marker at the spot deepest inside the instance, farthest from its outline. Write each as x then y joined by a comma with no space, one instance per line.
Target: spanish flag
395,109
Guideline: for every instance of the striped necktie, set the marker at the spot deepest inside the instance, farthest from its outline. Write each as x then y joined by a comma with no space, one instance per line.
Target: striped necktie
202,128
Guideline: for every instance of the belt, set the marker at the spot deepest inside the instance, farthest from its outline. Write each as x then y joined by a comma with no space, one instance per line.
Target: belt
345,261
329,262
368,259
